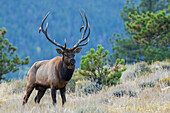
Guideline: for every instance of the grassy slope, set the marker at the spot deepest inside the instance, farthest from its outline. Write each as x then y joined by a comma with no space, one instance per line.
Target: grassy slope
149,100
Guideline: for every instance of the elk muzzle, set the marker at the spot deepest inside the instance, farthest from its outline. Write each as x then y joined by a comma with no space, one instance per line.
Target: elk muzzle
72,61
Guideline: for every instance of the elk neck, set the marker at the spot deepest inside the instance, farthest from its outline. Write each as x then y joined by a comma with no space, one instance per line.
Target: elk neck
66,73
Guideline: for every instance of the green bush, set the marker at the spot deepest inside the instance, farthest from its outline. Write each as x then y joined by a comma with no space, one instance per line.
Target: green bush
93,66
114,76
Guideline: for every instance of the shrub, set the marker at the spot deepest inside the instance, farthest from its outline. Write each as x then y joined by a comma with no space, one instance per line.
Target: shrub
116,72
93,66
142,69
166,67
165,81
147,84
87,87
123,92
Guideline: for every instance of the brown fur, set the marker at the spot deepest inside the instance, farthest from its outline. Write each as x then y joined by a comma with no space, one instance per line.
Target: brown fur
54,74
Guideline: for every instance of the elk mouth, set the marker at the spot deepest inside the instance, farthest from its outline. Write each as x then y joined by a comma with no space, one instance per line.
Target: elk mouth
70,66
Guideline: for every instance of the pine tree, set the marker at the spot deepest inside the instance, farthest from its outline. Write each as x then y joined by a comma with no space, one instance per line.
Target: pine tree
144,7
9,60
93,65
151,32
136,51
124,48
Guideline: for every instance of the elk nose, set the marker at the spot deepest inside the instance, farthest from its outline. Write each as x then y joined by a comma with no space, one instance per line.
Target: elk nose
72,61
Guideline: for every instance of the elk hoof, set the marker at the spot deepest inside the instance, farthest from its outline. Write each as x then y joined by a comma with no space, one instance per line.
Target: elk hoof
24,102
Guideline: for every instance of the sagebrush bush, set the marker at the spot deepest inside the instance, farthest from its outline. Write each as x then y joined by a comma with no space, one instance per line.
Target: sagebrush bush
123,92
142,69
88,87
147,84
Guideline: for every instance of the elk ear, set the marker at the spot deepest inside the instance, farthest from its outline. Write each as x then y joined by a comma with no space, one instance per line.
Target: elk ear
59,51
77,50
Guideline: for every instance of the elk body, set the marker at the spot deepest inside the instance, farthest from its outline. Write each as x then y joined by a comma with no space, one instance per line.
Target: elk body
54,73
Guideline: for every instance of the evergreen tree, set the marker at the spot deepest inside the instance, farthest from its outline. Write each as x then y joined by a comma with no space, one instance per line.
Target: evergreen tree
93,65
144,7
151,32
133,51
124,48
9,60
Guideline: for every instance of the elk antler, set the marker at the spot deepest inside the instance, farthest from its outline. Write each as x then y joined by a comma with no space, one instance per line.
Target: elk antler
45,33
83,38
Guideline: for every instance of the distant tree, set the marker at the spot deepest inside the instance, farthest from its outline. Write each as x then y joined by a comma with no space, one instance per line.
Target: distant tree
134,51
124,48
9,60
143,7
152,32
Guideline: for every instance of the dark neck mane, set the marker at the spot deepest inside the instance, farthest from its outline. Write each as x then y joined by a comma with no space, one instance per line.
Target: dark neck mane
66,73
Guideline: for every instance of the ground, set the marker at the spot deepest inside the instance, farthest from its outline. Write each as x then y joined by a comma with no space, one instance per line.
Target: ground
139,94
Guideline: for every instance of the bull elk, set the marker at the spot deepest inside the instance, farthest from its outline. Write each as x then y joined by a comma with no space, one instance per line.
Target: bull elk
57,72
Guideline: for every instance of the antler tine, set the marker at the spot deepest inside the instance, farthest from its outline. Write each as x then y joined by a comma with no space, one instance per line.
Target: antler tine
85,29
83,35
83,39
65,44
84,43
45,32
82,20
81,17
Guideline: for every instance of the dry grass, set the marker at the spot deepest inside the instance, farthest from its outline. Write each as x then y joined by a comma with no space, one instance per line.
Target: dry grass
148,100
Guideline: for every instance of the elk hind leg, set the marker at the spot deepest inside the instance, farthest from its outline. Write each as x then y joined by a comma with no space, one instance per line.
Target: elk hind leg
29,90
40,94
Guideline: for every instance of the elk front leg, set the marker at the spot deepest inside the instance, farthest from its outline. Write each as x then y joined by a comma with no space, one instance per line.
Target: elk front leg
62,92
53,94
40,94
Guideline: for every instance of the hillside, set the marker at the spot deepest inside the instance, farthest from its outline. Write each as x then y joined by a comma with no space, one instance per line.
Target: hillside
146,92
22,20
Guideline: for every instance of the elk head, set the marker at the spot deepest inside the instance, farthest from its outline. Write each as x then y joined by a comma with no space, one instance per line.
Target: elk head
69,53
